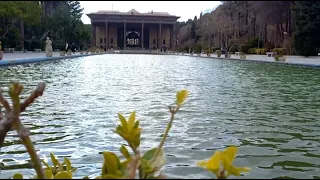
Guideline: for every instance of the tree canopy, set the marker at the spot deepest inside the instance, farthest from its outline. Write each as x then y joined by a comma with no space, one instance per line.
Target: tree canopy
292,25
25,24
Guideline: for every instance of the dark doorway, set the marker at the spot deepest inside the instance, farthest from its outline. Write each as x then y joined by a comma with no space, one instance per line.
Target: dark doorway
120,38
146,38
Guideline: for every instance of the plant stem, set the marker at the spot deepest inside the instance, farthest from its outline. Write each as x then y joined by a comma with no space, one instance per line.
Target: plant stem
24,133
34,157
164,137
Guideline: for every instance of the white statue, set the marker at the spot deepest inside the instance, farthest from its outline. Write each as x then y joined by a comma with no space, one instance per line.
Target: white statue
48,48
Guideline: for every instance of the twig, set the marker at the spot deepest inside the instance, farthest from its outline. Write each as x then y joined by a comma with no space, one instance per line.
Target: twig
134,165
5,125
4,102
35,94
11,121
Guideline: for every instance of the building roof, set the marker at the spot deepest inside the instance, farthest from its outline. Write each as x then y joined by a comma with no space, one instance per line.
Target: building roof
133,12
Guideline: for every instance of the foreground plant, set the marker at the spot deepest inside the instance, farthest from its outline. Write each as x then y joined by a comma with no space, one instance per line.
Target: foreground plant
11,120
221,164
148,164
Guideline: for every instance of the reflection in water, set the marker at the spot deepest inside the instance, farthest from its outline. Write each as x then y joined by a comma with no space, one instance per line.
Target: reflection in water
271,111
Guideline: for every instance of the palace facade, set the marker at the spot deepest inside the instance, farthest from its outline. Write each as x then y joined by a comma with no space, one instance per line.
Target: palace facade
132,29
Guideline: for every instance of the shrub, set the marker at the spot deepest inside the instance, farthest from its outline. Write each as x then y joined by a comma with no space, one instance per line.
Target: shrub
261,51
218,52
208,50
252,51
244,48
268,46
278,46
279,51
216,48
233,49
253,42
198,49
0,46
186,48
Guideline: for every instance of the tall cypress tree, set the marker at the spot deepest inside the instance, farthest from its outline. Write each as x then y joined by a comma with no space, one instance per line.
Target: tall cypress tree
76,10
306,15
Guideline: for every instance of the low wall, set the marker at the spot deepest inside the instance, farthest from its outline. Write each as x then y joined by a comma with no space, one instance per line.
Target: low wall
258,61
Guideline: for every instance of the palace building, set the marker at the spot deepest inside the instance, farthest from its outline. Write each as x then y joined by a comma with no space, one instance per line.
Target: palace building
132,29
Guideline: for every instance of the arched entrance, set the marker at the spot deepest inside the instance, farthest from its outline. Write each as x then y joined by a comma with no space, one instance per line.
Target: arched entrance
133,39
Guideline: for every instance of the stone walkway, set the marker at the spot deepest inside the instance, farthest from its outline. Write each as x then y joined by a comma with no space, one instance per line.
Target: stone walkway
29,55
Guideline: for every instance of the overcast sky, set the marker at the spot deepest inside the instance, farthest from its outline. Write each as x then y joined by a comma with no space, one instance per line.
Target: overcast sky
185,9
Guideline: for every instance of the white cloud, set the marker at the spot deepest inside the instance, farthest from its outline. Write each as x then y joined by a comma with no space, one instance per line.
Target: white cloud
185,9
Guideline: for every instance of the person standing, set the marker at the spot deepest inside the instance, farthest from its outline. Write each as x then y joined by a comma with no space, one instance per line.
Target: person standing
67,47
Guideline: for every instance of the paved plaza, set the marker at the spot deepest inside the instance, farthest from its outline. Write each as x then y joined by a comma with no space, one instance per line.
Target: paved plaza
17,55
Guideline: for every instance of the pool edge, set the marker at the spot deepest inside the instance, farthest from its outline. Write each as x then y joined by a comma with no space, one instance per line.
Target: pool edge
5,63
261,61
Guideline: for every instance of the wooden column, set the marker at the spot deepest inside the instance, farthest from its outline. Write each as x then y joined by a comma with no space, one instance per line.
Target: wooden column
159,37
174,37
142,39
170,41
94,34
124,35
107,35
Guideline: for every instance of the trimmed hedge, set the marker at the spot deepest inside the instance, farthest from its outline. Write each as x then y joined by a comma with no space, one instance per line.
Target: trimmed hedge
279,51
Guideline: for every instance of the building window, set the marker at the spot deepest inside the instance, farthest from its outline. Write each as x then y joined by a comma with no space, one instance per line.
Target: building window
164,41
101,40
111,40
154,41
101,46
105,40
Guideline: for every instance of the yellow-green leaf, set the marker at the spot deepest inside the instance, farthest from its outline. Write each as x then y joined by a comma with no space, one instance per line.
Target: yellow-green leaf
131,120
181,97
110,176
123,123
60,167
124,165
111,161
46,164
73,170
149,154
158,162
136,125
53,159
145,169
63,175
125,152
68,163
17,176
48,174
